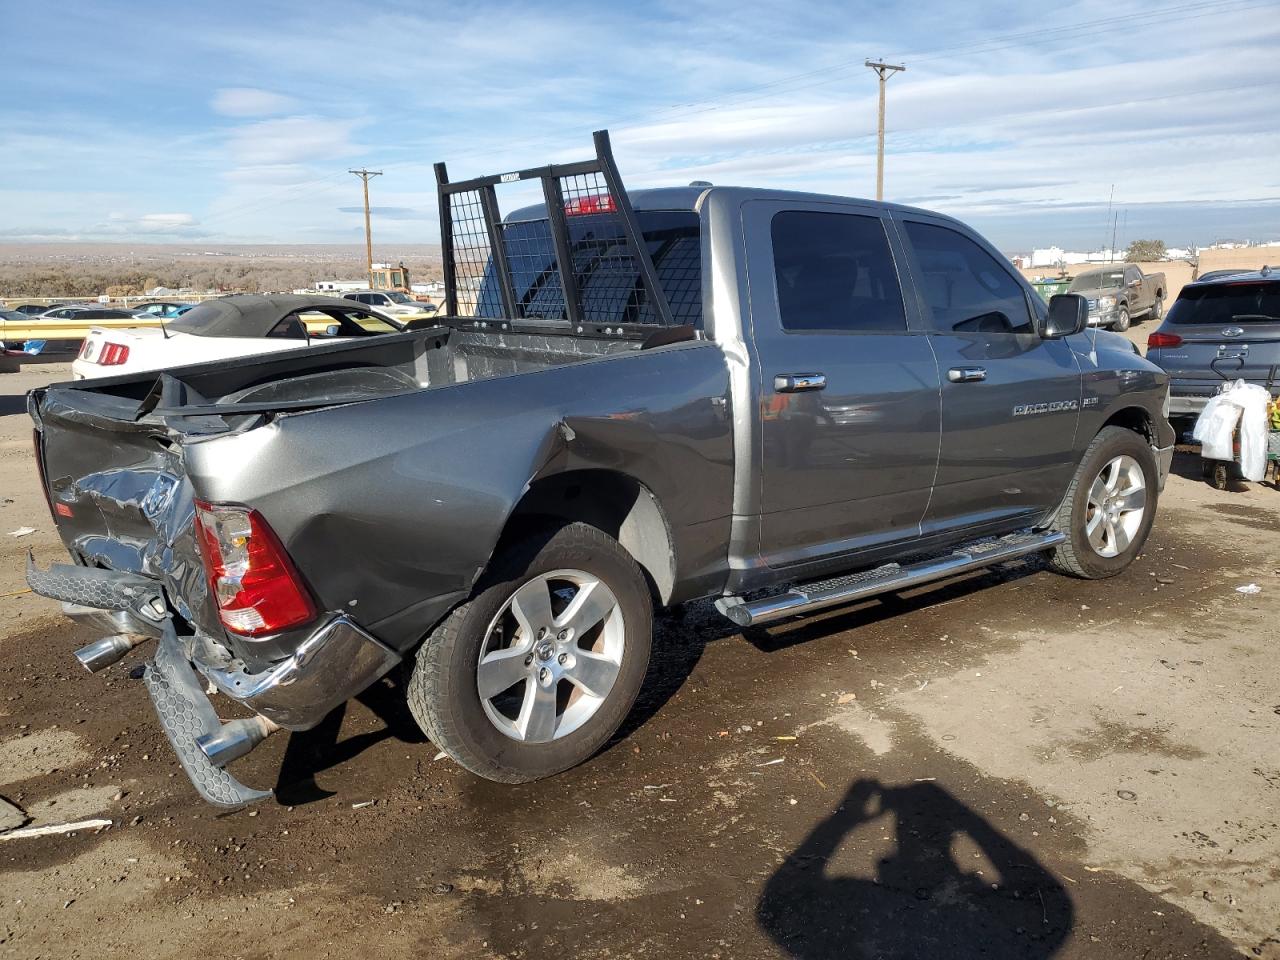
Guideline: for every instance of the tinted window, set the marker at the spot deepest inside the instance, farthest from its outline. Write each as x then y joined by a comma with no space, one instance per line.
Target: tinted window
1227,303
834,272
965,287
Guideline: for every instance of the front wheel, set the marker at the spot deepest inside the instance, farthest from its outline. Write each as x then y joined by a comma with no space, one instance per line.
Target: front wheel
535,672
1109,507
1121,322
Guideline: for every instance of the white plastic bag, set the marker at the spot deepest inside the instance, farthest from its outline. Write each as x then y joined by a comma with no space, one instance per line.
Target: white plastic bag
1243,403
1252,399
1215,428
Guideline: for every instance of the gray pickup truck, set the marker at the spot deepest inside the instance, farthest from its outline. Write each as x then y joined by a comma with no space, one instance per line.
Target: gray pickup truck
1119,293
782,401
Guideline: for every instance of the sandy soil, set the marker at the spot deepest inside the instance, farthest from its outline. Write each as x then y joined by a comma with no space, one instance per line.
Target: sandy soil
1013,764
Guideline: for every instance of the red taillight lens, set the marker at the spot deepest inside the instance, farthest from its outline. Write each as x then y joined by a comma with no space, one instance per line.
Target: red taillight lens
1164,340
113,354
597,203
252,580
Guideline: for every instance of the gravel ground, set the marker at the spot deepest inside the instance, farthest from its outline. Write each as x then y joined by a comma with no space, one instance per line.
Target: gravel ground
1012,764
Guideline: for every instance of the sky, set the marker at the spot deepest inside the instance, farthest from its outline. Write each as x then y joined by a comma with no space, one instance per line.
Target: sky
237,122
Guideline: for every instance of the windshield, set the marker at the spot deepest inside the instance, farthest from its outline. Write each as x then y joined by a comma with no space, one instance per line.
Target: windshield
1227,303
397,297
1097,281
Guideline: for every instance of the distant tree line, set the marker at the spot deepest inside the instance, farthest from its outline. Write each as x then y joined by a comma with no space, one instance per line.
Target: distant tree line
220,274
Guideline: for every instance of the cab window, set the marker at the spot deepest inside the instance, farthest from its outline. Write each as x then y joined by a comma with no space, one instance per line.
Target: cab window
834,273
964,287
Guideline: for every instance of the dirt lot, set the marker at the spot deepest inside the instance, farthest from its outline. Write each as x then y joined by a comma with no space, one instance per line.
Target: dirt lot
1013,764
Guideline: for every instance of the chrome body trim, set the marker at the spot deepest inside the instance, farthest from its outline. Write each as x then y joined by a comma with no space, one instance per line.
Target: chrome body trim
332,665
1164,463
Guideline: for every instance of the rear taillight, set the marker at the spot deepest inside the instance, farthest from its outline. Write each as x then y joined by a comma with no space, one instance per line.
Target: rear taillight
113,354
1164,340
253,582
593,203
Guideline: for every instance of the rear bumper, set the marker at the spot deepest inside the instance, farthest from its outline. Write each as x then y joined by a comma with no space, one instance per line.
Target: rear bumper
1186,406
330,667
334,663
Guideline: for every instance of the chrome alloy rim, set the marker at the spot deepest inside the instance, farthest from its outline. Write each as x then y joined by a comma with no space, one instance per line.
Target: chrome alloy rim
551,656
1117,504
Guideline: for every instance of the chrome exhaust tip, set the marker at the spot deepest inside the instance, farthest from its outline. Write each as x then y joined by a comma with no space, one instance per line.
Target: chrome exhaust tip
103,653
234,739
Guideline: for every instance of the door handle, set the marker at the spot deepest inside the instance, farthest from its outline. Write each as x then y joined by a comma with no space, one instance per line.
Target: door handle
966,374
798,382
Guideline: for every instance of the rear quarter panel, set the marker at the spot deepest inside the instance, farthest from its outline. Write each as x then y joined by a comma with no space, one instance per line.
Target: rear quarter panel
392,507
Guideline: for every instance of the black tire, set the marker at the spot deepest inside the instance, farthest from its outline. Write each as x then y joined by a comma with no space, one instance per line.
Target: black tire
1157,309
1121,322
443,694
1077,557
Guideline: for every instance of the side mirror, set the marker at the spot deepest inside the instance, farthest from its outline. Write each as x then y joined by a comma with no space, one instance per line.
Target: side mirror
332,330
1068,314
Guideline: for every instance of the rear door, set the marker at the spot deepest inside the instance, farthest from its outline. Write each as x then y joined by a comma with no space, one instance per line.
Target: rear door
1010,400
1230,330
849,390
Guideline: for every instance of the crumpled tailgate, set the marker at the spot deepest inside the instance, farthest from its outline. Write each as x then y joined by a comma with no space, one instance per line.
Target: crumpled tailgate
118,492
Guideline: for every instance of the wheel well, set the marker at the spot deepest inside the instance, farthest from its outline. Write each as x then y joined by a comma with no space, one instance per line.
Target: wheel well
1135,419
615,503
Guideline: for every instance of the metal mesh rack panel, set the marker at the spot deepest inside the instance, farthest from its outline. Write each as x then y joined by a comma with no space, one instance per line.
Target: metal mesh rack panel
471,256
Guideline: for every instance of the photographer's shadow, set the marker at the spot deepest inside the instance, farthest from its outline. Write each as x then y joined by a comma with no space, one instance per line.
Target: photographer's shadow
924,898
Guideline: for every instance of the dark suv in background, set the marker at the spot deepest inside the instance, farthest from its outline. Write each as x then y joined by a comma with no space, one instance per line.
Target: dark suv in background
1226,328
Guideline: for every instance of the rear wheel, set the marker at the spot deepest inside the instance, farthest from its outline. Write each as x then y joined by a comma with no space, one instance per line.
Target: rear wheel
1121,322
1109,507
536,672
1157,310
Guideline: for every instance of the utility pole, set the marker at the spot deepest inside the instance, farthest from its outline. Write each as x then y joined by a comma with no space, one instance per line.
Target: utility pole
883,71
364,175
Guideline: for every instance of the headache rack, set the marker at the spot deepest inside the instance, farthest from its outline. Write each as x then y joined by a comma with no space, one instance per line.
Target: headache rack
599,277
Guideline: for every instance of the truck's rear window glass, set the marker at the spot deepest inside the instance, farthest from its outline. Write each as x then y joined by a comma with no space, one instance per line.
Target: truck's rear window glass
1227,303
607,275
965,287
834,272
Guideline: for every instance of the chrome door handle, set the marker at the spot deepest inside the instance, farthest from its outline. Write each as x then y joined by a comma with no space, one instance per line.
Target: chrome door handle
798,382
966,374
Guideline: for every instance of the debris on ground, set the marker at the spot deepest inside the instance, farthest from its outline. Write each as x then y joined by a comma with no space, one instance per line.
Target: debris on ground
1249,588
52,828
22,532
846,698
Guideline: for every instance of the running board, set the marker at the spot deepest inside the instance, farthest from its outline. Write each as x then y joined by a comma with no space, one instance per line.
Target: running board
821,594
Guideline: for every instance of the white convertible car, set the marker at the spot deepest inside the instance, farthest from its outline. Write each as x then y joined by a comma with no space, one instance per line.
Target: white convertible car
237,326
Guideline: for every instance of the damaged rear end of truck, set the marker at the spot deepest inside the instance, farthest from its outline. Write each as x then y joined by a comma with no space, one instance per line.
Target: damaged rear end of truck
287,528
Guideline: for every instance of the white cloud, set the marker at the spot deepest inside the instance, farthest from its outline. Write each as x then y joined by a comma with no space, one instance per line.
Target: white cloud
291,140
250,102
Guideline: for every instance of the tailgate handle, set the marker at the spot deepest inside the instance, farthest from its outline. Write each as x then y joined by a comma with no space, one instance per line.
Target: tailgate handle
966,374
799,382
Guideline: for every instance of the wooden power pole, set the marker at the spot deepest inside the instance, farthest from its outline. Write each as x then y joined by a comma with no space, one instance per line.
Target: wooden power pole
883,71
364,175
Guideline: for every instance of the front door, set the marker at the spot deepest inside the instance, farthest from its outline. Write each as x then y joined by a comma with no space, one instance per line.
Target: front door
848,416
1010,400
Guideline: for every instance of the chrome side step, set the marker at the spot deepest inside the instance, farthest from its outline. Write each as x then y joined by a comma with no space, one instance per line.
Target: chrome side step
821,594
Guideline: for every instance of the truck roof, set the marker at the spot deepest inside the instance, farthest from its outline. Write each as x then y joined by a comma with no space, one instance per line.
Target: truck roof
688,198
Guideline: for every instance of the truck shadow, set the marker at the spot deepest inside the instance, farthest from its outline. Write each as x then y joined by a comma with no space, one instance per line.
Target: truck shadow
948,884
313,751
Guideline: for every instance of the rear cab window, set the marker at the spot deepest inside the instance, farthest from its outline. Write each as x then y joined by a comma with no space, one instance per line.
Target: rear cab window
834,273
608,277
965,288
1235,302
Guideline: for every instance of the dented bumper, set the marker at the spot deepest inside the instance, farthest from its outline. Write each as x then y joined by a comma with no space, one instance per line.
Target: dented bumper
333,663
